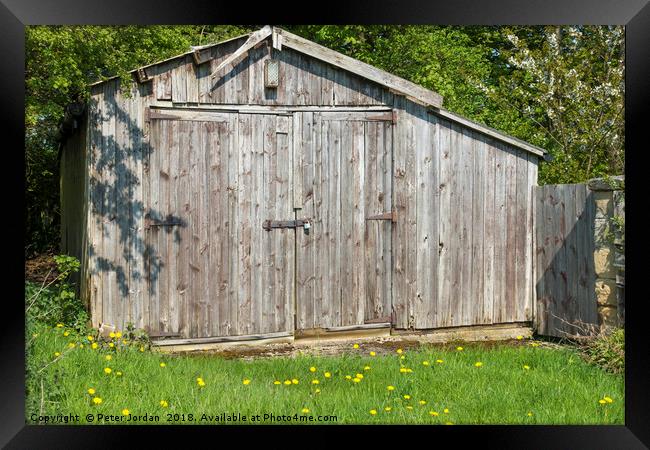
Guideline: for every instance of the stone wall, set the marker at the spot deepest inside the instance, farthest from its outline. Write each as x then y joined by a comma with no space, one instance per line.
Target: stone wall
609,254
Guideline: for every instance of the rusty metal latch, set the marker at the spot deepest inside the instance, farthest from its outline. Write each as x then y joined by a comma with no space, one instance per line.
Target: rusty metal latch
305,224
148,223
392,216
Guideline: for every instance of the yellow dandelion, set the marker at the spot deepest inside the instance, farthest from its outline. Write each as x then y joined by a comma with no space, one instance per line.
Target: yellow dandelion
142,349
327,375
439,361
448,423
534,344
360,375
118,373
164,404
348,377
390,388
107,370
356,380
402,369
519,338
200,381
287,382
446,411
433,413
246,382
97,400
162,364
460,349
530,414
125,342
111,345
59,325
315,382
409,407
111,334
409,370
118,334
608,399
66,333
425,363
402,357
366,368
355,346
108,357
373,354
91,391
90,338
422,402
373,412
81,346
57,354
312,369
294,381
399,351
94,345
125,412
602,402
276,382
478,364
388,409
527,367
317,391
407,397
72,345
305,410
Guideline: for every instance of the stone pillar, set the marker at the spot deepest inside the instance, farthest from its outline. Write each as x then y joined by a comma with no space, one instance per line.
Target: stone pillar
608,196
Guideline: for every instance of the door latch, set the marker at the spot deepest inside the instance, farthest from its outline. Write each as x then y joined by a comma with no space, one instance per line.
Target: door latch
268,225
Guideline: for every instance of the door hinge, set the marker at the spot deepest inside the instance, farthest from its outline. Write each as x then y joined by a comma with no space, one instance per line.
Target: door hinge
391,215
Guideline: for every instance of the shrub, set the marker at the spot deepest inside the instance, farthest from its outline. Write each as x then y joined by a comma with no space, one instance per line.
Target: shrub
607,350
56,301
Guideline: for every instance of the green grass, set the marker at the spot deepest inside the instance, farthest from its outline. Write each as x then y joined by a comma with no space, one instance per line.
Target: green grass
559,387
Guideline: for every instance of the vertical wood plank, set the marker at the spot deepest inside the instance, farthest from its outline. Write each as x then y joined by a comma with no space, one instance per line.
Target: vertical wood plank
443,316
479,194
245,207
511,235
489,233
358,214
229,324
520,240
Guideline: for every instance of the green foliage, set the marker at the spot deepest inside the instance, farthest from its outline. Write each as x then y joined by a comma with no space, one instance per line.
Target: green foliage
57,301
607,350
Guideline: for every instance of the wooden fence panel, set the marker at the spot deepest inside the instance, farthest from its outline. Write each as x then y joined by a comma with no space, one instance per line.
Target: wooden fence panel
566,302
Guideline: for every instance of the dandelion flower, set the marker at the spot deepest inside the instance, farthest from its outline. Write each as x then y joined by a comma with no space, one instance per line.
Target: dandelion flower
94,345
409,370
142,349
57,354
355,346
433,413
111,334
373,354
200,381
246,382
91,391
360,375
90,338
402,357
478,364
439,361
327,374
356,380
366,368
315,382
402,369
388,409
111,345
97,400
422,402
390,388
526,367
107,370
108,357
519,338
294,381
305,410
407,397
312,369
276,382
118,334
446,411
287,382
162,364
425,363
373,412
448,423
348,377
608,399
409,407
81,346
126,412
59,325
530,414
400,351
118,374
601,401
164,403
317,391
66,333
460,349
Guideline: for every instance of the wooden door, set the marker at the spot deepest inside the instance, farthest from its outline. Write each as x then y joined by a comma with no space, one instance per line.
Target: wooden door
213,179
344,263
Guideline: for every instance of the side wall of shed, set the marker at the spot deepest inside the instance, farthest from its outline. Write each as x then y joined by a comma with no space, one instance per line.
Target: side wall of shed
462,244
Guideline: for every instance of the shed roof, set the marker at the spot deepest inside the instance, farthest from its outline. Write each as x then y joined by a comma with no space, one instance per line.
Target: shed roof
395,84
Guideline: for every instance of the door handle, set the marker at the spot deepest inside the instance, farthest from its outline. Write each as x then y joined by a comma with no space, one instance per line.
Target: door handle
391,215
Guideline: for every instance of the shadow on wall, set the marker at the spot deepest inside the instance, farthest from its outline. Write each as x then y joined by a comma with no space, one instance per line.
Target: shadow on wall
118,208
566,278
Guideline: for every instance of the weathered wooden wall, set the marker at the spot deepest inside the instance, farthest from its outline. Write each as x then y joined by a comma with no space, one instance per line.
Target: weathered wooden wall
566,277
460,252
463,241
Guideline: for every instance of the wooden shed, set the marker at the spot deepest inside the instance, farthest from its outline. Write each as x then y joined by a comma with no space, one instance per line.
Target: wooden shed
267,186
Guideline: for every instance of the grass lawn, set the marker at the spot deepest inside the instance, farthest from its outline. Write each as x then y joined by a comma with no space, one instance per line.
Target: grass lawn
529,383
